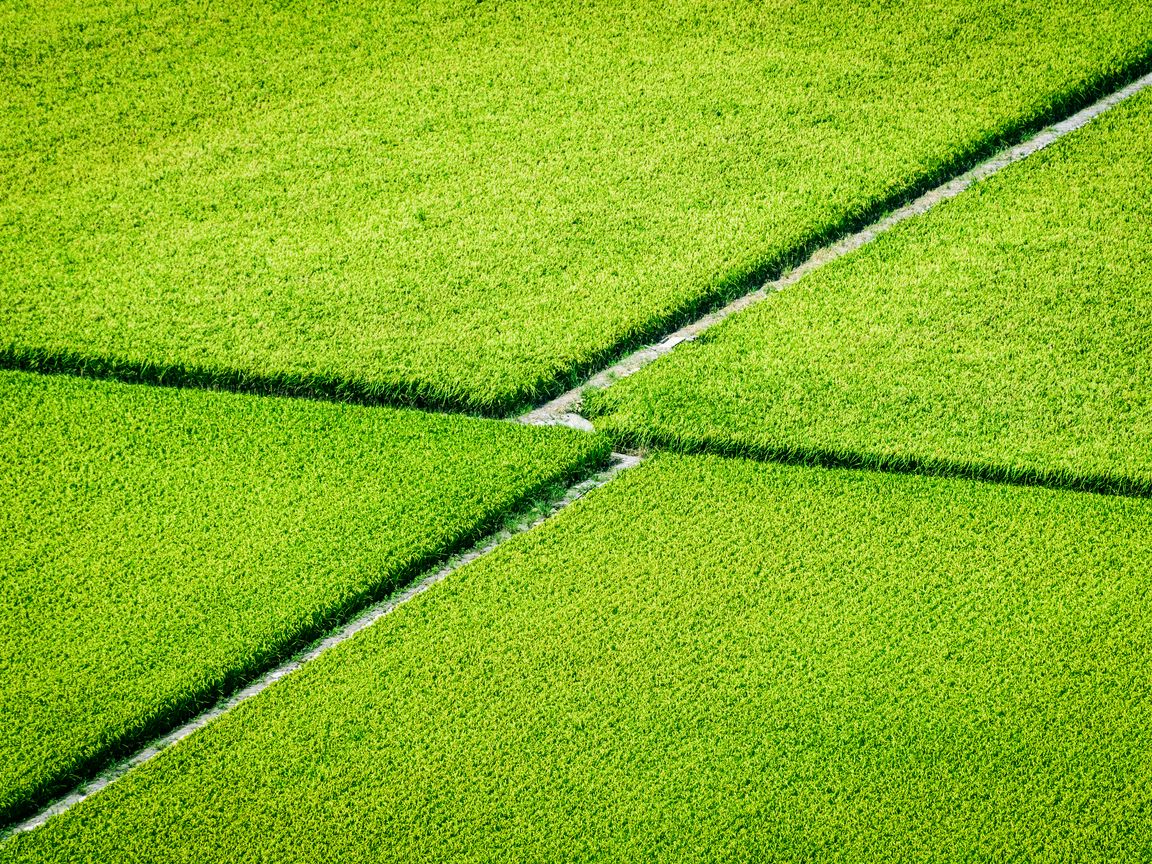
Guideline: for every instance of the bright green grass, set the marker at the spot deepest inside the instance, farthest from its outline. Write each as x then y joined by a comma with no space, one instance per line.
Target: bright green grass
708,659
161,545
1005,334
469,203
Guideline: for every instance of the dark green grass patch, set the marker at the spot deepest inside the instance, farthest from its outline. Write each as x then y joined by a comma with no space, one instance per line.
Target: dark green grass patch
469,204
708,659
1005,335
162,545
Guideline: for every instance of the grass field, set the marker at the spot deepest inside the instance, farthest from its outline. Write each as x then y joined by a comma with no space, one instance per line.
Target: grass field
161,545
708,659
470,204
929,642
1003,335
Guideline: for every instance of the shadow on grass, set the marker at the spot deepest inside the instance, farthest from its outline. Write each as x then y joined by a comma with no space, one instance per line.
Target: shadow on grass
818,457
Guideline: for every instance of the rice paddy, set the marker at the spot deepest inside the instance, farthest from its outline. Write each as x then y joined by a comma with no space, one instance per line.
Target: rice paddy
469,205
309,241
706,659
1004,335
161,545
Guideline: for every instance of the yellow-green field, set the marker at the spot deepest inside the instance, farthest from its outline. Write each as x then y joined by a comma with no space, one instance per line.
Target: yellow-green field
468,204
262,266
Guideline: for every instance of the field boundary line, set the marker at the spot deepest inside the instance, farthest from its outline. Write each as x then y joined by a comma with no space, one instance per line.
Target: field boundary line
564,410
619,462
1033,477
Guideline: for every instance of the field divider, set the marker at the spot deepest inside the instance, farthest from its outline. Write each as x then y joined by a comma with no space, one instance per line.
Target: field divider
1115,484
564,410
528,520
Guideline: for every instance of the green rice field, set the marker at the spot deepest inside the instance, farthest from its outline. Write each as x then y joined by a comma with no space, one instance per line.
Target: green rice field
294,570
469,204
1005,334
709,659
162,545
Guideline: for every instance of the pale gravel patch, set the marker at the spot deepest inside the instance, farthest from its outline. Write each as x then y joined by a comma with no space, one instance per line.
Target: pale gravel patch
564,409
